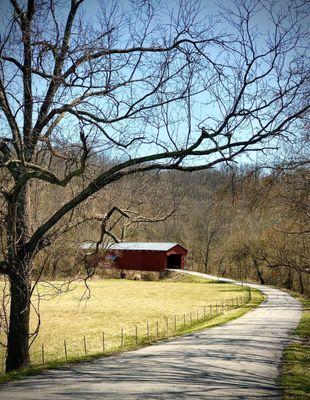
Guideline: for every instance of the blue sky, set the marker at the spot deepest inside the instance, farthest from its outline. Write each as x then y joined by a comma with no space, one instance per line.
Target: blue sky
200,109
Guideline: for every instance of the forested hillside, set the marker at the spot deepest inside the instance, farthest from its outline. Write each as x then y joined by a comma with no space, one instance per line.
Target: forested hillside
247,223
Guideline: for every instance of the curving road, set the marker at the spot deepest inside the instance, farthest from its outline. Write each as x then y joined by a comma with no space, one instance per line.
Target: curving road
238,360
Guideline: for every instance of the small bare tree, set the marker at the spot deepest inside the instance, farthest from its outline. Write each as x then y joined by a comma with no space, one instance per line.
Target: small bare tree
154,89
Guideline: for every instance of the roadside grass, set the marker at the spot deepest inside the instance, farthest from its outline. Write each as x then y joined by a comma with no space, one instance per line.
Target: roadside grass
120,304
295,377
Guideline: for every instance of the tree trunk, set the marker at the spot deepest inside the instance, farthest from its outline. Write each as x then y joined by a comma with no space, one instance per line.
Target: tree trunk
20,269
207,256
289,279
259,272
18,336
301,284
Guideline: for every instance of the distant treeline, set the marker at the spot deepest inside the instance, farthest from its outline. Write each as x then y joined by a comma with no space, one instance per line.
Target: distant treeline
247,223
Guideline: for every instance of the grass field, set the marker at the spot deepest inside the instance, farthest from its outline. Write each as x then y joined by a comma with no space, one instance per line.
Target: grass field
295,378
123,304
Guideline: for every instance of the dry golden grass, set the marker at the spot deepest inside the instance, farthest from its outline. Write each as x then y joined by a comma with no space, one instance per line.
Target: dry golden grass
117,304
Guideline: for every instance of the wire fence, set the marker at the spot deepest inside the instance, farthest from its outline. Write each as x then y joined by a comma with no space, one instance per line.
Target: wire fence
137,335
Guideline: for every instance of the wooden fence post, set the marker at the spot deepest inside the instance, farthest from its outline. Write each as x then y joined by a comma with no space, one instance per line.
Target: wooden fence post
42,350
122,337
136,333
148,331
65,346
103,342
85,348
157,330
184,319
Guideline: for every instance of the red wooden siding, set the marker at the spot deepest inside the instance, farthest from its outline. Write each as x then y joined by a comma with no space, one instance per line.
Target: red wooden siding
141,260
147,260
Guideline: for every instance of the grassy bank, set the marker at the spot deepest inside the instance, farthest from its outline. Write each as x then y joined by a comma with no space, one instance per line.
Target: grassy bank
152,310
295,377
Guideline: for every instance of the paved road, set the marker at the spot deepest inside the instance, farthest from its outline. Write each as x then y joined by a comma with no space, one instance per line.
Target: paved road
239,360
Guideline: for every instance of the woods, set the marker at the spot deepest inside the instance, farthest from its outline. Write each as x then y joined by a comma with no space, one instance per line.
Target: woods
247,225
89,105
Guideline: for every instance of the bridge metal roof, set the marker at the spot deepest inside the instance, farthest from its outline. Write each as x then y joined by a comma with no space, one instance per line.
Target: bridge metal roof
139,246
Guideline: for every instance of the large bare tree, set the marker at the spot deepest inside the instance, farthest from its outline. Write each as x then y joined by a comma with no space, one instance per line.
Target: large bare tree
148,88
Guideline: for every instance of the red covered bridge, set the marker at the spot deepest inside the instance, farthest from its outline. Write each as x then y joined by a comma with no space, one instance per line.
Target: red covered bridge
143,256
